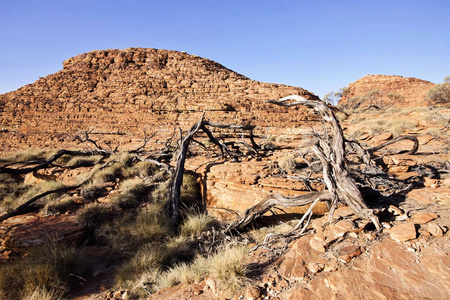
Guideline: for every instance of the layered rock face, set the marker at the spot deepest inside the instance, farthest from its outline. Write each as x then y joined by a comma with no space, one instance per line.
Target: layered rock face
124,91
387,91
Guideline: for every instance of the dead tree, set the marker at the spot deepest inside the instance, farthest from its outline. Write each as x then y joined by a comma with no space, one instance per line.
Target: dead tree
340,186
173,203
173,210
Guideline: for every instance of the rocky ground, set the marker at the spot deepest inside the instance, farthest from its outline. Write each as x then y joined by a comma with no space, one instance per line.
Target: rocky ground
345,260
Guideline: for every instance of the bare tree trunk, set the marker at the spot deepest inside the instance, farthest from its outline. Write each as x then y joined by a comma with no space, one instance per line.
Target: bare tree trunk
173,202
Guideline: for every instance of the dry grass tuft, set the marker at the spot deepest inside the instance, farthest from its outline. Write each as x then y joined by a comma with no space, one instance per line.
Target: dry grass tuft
196,224
225,267
287,162
30,155
49,271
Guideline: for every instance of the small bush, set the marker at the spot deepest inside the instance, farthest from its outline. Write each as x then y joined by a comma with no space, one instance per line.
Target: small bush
225,267
133,192
93,215
92,192
160,193
196,224
43,294
58,206
49,270
23,193
147,259
178,250
82,161
130,232
107,174
287,163
190,194
150,224
439,94
396,97
277,139
398,126
190,186
141,169
11,188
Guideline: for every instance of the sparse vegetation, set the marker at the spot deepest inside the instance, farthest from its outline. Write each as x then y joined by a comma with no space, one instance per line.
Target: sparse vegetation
93,215
133,192
396,97
225,267
29,155
79,161
334,97
144,250
50,271
195,224
277,139
439,94
287,162
57,206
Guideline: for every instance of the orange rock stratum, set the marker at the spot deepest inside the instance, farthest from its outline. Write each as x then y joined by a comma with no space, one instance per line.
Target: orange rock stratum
125,91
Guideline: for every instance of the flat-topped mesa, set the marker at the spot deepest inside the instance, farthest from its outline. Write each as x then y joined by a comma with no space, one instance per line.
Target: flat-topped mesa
128,90
386,91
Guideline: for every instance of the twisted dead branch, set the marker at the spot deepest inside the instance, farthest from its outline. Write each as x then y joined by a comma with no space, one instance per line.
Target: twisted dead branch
395,140
340,186
48,163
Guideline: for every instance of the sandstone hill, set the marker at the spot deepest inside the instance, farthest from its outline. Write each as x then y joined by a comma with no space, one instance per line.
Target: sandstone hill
386,91
125,91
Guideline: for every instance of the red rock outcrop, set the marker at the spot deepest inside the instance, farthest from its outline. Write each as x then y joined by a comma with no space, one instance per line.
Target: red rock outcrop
124,91
395,91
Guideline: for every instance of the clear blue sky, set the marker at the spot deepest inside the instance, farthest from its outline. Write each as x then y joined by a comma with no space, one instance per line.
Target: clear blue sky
317,45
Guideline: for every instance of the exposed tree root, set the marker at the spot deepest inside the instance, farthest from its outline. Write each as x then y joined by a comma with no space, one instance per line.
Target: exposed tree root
395,140
254,212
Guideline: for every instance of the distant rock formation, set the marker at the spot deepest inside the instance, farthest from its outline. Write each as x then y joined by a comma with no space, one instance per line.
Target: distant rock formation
386,91
124,91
